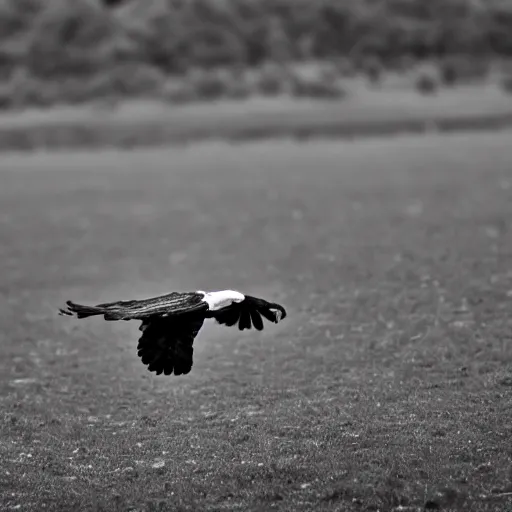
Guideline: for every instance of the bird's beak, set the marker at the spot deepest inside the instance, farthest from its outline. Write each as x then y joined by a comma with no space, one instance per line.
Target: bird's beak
279,315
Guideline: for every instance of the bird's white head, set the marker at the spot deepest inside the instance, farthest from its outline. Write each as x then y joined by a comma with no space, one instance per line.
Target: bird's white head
221,299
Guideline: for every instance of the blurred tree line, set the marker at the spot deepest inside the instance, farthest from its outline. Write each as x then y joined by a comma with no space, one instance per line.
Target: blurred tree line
110,42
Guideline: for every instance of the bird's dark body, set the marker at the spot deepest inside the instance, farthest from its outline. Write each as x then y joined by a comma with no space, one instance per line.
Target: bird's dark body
171,322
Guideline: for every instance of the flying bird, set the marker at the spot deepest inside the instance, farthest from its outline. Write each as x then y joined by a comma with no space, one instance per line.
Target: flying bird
171,322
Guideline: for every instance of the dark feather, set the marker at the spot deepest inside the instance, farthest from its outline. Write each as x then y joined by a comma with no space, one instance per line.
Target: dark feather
245,319
172,304
248,313
256,320
80,311
166,344
228,316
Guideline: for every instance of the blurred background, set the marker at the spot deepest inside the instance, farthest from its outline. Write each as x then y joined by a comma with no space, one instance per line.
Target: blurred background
393,61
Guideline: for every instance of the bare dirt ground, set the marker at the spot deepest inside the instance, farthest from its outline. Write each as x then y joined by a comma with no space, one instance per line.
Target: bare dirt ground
389,385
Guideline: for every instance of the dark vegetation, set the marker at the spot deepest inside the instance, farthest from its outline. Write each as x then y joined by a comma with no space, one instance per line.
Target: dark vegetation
57,51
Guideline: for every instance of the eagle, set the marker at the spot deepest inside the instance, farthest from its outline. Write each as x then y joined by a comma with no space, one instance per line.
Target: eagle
171,322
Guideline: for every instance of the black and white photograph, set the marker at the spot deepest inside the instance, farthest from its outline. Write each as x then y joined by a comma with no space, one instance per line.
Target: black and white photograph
255,255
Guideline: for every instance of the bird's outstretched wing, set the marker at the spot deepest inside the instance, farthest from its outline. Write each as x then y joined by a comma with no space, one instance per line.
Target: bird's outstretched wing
248,313
171,322
172,304
166,343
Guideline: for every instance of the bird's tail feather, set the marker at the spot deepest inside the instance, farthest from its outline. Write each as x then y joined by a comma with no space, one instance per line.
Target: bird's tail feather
81,311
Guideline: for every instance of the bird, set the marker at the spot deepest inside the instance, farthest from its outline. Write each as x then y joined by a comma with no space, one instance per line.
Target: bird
171,322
